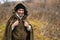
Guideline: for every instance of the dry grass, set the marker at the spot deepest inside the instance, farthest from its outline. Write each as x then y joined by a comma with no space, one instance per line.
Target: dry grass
36,26
43,17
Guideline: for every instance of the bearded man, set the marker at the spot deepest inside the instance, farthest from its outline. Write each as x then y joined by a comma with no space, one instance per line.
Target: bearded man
17,27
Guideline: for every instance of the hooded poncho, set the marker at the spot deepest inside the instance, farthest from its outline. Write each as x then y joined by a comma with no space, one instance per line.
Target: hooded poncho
20,32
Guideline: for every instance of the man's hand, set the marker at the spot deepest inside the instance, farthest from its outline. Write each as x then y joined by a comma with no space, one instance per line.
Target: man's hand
15,24
26,24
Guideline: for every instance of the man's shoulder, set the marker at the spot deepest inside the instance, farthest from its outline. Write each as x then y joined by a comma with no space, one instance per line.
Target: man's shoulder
12,17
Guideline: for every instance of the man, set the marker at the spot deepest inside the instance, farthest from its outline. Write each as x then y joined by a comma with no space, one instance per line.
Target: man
17,27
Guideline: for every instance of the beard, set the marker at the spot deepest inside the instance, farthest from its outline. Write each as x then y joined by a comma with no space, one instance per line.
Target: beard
21,14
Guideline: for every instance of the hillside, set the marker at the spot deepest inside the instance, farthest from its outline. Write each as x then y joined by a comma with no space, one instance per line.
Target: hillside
44,17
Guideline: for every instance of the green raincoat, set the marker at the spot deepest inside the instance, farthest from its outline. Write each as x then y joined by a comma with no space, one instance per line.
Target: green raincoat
20,32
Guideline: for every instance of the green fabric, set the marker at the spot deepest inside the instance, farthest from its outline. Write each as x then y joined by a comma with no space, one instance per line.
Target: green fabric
8,31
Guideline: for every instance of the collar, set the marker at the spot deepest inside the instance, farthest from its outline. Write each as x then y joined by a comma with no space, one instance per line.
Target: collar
18,16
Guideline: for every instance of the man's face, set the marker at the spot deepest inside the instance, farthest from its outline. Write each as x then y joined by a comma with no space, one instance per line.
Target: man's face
20,12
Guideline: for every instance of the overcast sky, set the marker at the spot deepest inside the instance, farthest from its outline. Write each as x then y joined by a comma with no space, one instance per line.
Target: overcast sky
2,1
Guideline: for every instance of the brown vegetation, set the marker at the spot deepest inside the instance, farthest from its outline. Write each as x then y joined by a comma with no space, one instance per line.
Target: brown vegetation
44,17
